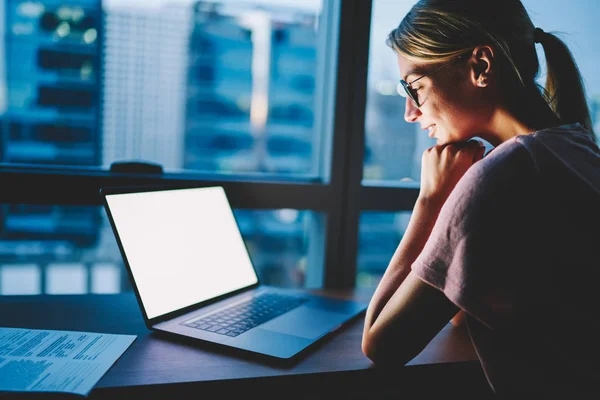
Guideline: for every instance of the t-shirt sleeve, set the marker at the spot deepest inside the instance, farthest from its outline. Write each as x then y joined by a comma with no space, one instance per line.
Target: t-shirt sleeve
481,244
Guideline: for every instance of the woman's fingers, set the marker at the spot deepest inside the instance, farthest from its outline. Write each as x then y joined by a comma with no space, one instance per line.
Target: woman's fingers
444,165
473,150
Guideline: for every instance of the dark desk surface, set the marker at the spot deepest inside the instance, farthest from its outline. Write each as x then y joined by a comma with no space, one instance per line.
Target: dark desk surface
158,364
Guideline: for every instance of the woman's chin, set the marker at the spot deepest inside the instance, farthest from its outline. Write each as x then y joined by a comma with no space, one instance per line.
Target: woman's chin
441,141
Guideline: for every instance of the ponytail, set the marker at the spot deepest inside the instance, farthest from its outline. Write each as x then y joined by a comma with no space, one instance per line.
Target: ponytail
565,92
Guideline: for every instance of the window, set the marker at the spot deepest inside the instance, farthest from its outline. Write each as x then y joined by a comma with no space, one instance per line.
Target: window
379,236
234,92
170,73
288,104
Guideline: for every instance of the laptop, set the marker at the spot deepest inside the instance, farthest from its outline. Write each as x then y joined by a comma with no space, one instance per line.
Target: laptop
193,277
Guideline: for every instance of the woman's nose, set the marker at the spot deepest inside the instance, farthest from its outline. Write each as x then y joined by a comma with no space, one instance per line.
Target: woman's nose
411,111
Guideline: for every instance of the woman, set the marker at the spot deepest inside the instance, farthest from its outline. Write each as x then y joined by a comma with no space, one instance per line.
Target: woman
507,239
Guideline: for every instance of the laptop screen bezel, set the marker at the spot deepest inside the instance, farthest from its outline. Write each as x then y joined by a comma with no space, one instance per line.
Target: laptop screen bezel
106,191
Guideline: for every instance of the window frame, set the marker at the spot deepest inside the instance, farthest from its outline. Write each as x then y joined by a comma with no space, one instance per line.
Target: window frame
341,194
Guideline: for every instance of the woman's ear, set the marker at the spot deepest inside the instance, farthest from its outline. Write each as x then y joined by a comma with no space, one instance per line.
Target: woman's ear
482,66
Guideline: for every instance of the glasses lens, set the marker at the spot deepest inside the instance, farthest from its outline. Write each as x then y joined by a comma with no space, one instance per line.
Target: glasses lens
405,90
401,89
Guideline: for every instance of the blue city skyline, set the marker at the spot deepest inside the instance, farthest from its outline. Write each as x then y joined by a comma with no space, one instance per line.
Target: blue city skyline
139,108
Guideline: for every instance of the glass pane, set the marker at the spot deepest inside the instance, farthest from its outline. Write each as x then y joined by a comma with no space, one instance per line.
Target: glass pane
20,279
72,250
393,146
66,278
224,86
575,25
282,245
379,236
106,278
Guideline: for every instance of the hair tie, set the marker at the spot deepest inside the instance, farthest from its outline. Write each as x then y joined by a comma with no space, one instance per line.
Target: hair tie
538,33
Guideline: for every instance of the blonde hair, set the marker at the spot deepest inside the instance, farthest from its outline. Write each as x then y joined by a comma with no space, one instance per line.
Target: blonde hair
440,30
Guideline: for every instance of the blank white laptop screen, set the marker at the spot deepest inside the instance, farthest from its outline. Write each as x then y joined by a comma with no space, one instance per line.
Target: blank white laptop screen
183,246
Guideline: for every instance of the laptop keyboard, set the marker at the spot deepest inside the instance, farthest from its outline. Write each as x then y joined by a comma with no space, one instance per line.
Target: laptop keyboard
239,318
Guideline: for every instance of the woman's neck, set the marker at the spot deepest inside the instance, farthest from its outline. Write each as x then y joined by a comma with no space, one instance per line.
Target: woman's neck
504,126
527,115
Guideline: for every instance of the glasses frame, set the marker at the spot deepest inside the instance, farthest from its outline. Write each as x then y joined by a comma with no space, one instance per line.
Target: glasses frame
412,93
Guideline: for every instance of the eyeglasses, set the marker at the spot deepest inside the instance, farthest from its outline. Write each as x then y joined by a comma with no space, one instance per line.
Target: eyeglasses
405,89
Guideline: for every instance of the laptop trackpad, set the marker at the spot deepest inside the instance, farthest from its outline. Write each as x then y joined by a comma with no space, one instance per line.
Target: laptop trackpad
306,322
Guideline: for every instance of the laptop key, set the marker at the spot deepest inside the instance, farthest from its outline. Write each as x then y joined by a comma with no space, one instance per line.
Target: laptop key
243,317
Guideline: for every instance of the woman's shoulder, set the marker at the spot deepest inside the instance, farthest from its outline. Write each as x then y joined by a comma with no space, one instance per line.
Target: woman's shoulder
563,139
505,170
569,144
566,131
499,187
510,157
569,150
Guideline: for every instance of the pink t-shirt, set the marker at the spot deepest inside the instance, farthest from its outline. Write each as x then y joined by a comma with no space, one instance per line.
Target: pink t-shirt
517,247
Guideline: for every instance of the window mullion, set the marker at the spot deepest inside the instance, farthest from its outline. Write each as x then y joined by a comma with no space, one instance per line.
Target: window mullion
348,145
387,198
37,187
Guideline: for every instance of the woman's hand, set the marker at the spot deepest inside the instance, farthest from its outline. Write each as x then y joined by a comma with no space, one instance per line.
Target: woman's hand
443,166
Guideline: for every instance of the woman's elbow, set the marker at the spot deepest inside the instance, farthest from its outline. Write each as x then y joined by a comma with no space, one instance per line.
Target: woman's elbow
380,352
367,346
371,347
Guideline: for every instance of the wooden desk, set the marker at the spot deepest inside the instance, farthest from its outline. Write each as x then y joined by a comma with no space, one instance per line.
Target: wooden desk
156,365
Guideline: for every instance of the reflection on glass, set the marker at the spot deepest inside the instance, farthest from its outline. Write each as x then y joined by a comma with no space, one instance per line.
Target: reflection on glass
20,279
393,146
219,86
72,250
379,236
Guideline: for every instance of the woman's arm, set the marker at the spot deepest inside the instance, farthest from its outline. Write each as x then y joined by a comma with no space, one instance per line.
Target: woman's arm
405,313
419,228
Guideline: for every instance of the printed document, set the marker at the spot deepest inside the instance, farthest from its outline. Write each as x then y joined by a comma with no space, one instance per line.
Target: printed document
56,361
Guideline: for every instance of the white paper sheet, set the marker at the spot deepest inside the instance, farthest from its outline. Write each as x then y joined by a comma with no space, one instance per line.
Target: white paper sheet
56,361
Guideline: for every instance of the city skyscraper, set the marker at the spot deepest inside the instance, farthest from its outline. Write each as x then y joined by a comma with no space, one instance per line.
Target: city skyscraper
51,79
250,90
144,78
49,115
250,95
